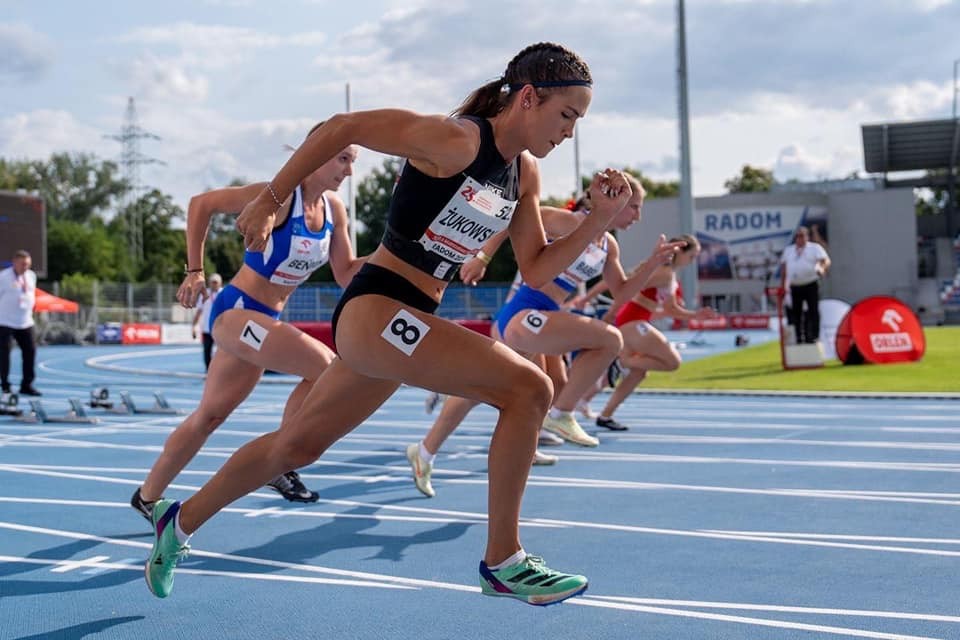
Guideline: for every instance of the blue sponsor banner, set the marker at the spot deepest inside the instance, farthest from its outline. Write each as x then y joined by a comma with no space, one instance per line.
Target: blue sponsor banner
110,333
748,244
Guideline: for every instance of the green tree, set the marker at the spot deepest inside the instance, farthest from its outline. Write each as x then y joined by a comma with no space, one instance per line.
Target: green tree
751,180
164,248
373,202
653,188
932,201
75,186
80,248
16,174
224,247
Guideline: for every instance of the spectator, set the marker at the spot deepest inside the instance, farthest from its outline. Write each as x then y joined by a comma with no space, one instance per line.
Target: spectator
804,263
18,292
202,318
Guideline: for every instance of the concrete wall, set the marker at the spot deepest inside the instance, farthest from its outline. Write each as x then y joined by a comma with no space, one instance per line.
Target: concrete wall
872,241
873,245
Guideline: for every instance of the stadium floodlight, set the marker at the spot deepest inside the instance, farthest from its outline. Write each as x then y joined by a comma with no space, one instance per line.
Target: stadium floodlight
688,277
955,63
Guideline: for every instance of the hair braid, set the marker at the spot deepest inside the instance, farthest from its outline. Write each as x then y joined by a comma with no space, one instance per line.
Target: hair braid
540,62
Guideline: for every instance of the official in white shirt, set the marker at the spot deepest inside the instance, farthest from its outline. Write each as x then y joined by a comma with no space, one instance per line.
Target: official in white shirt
202,317
804,263
18,293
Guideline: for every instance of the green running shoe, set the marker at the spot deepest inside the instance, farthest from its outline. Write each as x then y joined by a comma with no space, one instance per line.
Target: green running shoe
530,581
421,470
167,550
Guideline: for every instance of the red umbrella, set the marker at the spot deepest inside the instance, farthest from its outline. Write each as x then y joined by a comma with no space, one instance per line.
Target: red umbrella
49,302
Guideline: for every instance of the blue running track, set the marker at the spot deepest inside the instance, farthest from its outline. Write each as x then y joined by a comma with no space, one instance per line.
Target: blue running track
714,516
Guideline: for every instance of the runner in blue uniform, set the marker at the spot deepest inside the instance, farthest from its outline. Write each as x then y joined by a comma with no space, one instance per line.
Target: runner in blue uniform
309,230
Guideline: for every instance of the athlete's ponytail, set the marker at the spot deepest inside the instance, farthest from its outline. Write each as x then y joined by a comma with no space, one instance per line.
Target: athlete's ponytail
485,102
545,65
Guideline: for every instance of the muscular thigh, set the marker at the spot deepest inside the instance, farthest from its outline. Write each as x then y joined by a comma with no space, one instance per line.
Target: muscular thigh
270,344
230,380
339,401
642,337
554,332
382,338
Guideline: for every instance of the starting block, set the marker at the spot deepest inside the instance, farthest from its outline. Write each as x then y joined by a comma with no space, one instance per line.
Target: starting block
99,399
160,405
8,405
76,414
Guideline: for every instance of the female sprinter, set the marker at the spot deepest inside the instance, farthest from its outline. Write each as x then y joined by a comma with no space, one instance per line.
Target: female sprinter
466,177
308,230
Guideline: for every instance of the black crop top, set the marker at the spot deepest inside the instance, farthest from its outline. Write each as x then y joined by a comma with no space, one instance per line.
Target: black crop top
436,224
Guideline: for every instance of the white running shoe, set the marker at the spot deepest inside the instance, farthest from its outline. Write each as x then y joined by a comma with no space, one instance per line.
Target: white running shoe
543,459
586,411
547,439
421,470
567,427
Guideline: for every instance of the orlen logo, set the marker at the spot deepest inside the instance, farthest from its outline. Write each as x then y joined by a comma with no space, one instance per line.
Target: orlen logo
305,245
891,342
468,193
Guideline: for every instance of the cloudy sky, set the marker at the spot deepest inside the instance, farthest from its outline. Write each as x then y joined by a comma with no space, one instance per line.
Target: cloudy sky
783,84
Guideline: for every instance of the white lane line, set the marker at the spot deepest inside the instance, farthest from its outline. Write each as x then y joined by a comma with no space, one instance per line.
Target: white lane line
477,518
99,564
866,613
838,536
866,444
780,416
66,566
277,512
908,494
534,481
762,622
386,580
104,363
691,533
941,467
263,562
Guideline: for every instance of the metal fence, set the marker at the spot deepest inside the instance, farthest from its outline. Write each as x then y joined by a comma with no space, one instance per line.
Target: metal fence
156,304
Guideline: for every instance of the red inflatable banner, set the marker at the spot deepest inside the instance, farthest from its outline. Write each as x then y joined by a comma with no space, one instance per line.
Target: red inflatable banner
880,329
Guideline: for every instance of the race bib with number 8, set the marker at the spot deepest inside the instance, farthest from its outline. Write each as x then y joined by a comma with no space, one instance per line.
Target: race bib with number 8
405,331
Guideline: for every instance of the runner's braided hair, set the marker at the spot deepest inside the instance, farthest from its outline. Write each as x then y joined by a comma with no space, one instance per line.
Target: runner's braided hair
692,245
545,65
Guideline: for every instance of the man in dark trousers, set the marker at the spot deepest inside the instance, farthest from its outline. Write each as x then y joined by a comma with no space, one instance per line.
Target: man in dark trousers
18,293
804,263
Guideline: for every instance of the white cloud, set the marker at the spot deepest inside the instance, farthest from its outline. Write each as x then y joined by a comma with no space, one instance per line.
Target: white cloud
216,46
378,83
932,5
230,3
25,53
796,163
162,79
39,133
782,85
918,100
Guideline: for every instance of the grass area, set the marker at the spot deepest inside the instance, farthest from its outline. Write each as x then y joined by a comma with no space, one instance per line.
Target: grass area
758,368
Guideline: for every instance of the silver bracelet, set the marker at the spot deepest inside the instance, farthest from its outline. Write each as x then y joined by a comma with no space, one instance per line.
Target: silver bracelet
273,194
